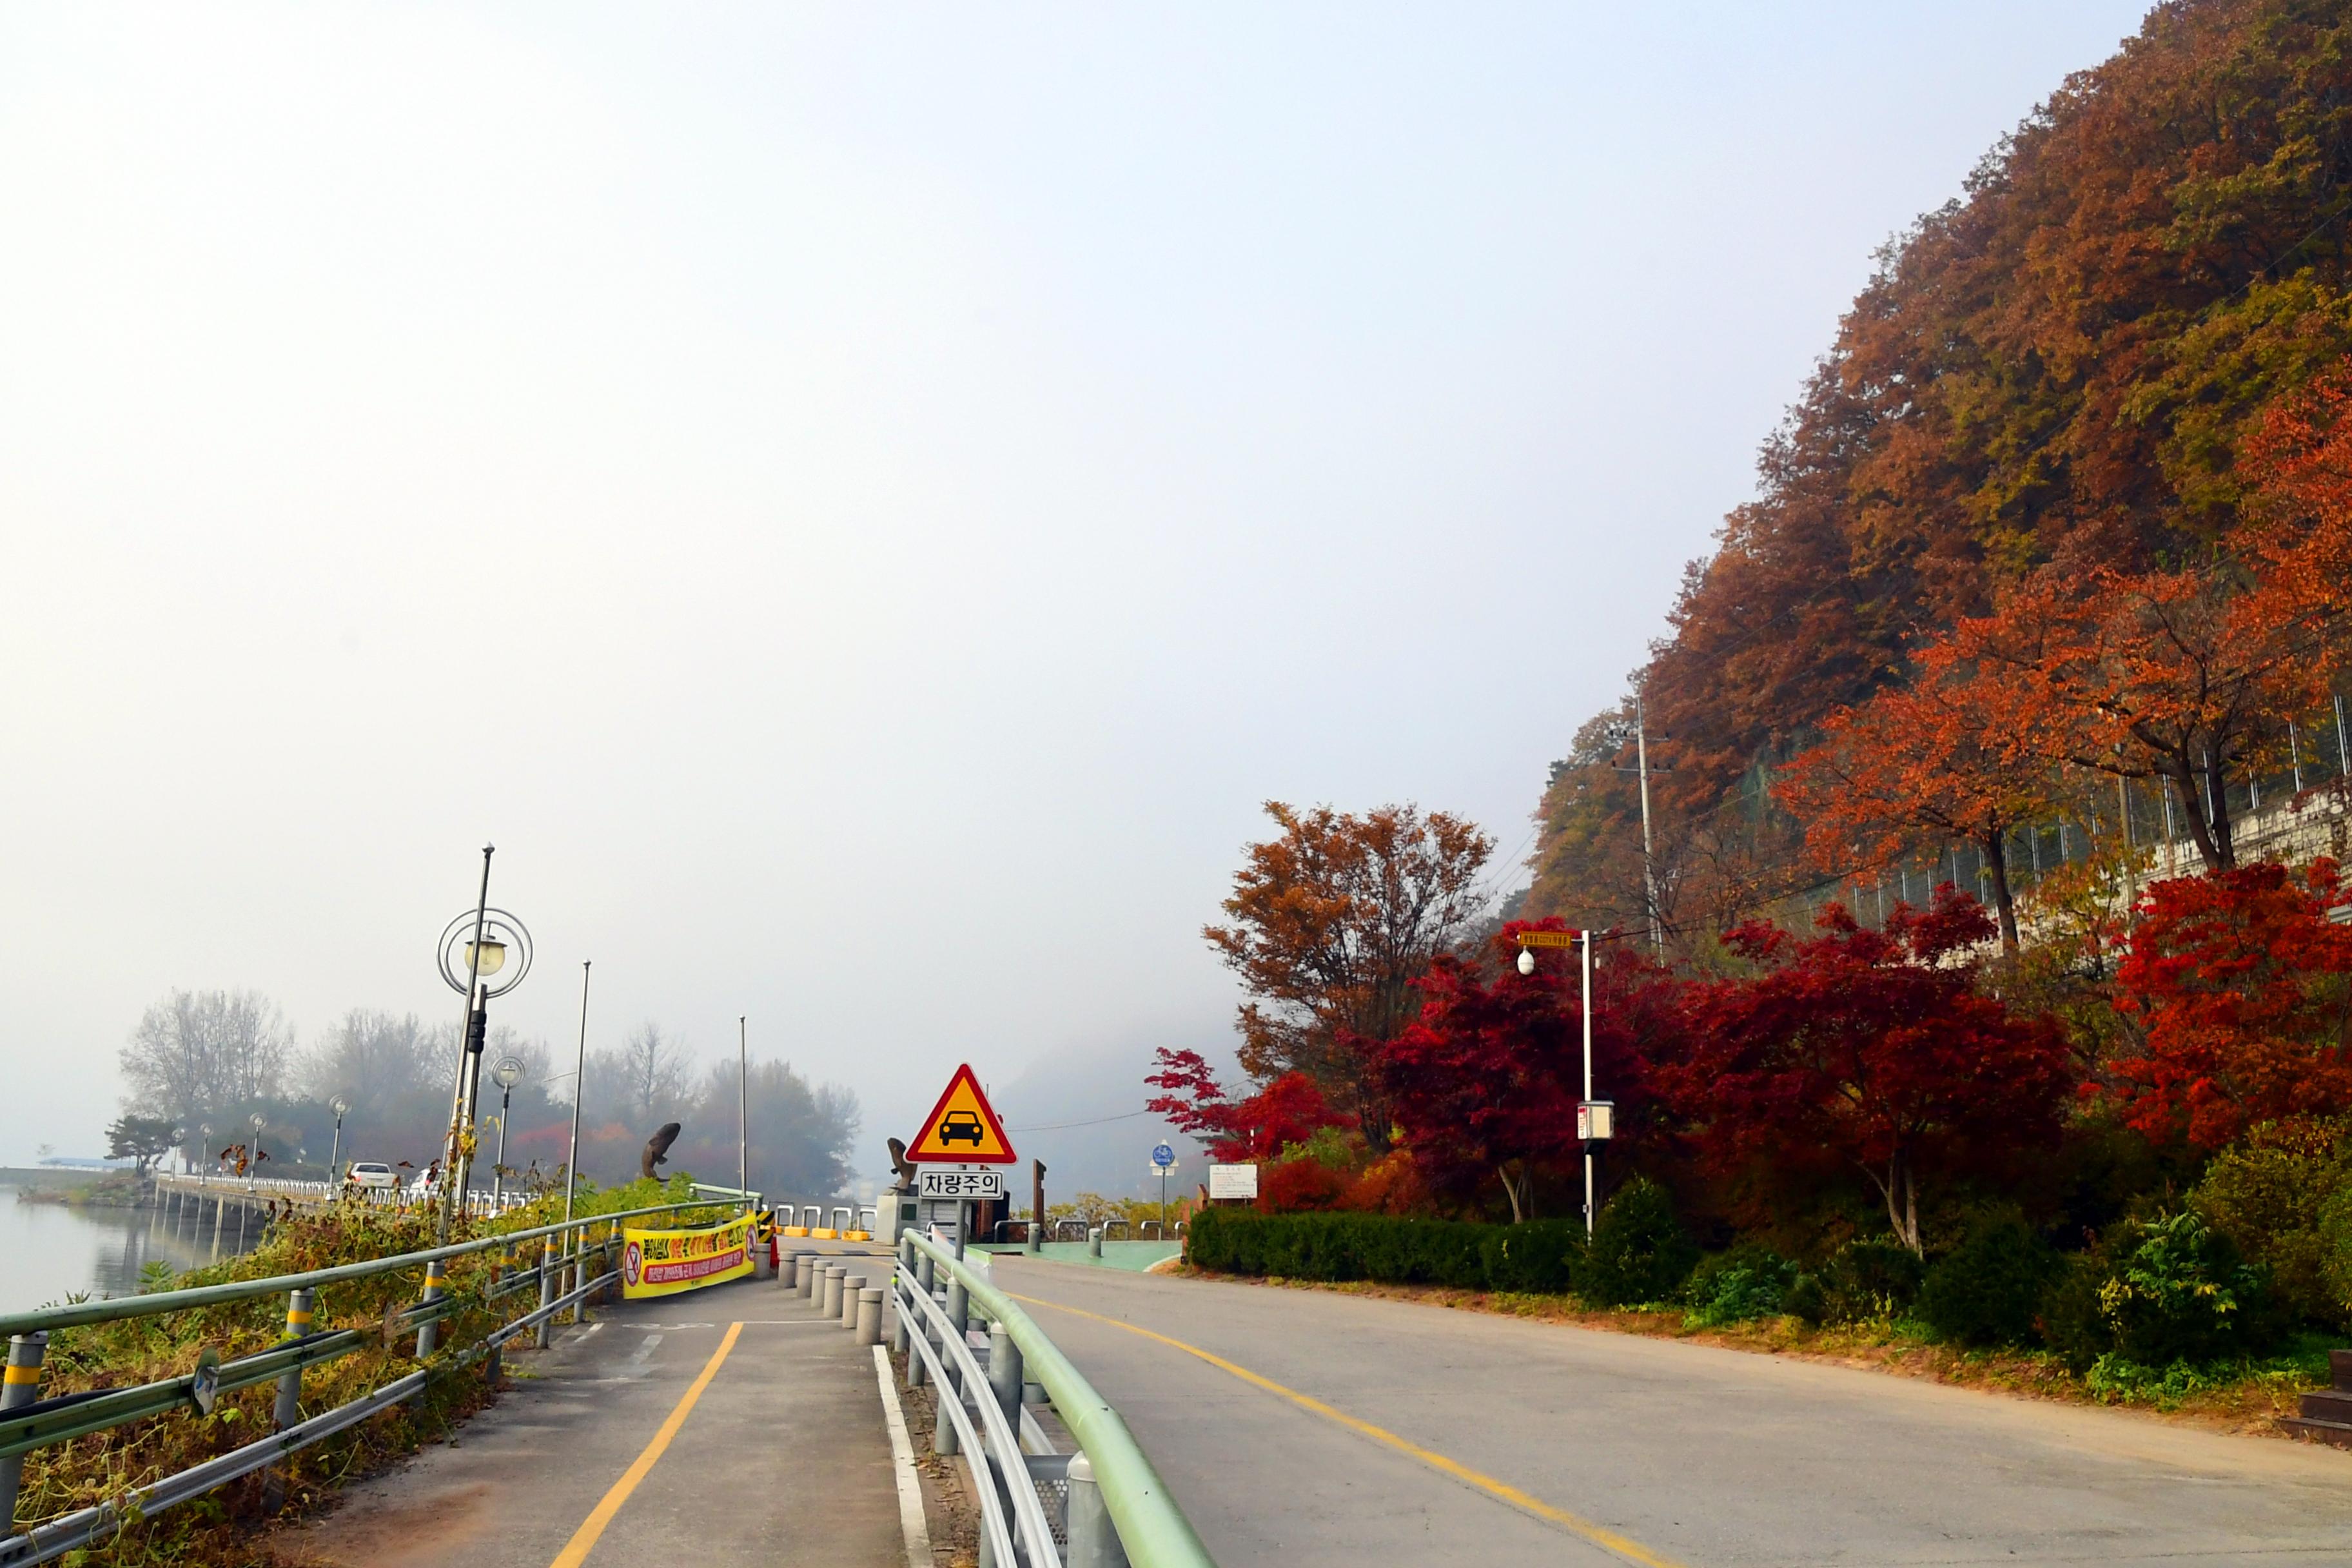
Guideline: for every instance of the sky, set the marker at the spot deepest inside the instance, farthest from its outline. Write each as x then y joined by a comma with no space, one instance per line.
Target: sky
861,505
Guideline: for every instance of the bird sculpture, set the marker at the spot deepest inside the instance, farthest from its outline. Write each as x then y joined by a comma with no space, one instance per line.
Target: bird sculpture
904,1166
658,1151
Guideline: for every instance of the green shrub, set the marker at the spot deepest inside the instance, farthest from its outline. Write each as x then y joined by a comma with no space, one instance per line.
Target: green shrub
1989,1290
2184,1293
1540,1257
1751,1280
2071,1320
1870,1278
1805,1298
1639,1251
1388,1249
2274,1199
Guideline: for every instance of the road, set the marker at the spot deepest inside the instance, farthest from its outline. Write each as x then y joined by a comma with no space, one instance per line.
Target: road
1347,1431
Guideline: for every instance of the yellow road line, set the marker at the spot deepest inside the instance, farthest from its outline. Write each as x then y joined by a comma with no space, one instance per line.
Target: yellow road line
583,1539
1599,1535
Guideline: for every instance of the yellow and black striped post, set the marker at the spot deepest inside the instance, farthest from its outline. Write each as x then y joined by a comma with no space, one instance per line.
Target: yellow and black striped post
20,1386
436,1283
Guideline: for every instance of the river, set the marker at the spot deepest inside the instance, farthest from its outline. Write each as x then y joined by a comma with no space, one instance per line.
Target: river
48,1251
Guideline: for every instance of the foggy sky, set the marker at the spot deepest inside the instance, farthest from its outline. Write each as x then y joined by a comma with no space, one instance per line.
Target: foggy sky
861,505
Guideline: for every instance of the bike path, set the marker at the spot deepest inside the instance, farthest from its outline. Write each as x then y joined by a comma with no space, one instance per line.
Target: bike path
780,1455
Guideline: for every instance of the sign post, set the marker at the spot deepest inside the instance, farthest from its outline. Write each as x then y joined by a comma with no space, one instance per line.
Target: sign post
963,1149
1163,1160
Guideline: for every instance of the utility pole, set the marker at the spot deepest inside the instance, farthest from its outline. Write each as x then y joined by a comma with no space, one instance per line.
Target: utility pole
743,1109
1649,871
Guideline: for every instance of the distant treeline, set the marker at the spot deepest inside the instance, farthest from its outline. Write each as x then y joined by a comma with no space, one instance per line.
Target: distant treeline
215,1059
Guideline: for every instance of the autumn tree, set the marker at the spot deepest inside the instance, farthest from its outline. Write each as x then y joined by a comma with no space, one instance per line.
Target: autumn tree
1328,925
1914,763
1290,1110
2179,676
2243,988
1487,1080
1874,1048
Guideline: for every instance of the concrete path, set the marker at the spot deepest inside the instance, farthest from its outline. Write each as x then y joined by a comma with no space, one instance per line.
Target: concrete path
1348,1431
783,1458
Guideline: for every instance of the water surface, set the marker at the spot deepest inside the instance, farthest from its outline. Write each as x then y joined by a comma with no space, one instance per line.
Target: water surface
48,1251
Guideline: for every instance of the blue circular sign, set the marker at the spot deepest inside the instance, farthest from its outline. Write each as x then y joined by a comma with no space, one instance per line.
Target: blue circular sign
1162,1155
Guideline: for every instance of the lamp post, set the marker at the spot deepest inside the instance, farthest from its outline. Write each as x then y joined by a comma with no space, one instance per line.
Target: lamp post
253,1166
204,1142
342,1106
474,947
1595,1119
508,1073
743,1112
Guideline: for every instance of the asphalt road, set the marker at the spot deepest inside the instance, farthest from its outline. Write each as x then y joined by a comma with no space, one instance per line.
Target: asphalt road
1396,1433
782,1457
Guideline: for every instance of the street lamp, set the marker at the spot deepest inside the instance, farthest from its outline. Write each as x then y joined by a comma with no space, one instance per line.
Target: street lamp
204,1142
508,1073
1595,1119
254,1165
342,1106
475,946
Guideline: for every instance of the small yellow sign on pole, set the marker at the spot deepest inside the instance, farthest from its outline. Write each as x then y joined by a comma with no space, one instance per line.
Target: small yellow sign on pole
1547,939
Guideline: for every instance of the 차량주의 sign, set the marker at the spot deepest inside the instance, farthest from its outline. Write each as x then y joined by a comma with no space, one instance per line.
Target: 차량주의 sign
962,1128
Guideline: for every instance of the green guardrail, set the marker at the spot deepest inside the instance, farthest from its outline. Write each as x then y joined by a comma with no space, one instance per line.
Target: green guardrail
115,1308
1152,1528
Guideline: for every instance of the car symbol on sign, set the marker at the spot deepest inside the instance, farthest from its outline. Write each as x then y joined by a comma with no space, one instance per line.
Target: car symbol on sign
962,1124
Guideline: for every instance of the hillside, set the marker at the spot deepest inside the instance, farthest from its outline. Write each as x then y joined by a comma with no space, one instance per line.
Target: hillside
2067,358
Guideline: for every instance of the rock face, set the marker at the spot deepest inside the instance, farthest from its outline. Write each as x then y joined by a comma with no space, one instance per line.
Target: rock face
656,1149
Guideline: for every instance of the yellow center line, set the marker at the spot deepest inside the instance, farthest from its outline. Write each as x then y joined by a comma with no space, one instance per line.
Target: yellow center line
583,1539
1599,1535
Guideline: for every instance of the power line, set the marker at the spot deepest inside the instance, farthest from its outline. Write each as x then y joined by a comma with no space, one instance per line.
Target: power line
1098,1121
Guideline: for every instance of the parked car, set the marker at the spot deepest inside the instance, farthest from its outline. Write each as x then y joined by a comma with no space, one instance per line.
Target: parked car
370,1173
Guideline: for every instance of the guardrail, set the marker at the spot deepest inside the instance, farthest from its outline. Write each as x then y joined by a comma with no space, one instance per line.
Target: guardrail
1117,1508
479,1201
29,1422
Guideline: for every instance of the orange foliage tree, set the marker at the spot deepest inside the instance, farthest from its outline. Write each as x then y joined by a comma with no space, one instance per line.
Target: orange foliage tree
1915,764
1328,926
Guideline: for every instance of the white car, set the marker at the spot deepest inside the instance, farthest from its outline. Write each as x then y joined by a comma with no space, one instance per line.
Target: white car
371,1173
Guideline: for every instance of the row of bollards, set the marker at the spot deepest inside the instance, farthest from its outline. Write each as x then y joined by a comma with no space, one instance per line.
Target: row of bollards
835,1292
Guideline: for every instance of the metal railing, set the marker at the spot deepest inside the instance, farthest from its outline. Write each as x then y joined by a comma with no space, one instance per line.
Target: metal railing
1116,1508
29,1422
480,1201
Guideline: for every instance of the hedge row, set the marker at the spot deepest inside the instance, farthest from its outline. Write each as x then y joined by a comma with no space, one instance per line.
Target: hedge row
1542,1255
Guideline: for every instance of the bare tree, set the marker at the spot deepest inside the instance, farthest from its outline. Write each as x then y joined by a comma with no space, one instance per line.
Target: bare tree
195,1050
382,1060
647,1081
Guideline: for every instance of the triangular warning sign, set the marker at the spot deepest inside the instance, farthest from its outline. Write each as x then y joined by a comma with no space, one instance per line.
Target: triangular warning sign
962,1127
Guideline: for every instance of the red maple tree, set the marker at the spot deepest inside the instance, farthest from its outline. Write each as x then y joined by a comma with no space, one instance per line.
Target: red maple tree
2244,988
1486,1082
1290,1110
1874,1047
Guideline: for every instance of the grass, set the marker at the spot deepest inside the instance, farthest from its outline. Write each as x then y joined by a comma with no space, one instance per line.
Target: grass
216,1531
2244,1397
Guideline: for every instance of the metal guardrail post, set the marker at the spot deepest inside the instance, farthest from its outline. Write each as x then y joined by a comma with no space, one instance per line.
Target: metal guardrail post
289,1410
548,1275
1086,1523
1004,1371
20,1386
430,1333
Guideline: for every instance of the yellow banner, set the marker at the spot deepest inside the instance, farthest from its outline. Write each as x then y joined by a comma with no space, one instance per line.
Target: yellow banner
664,1262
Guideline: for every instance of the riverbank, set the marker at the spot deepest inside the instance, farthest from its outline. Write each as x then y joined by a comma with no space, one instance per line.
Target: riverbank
107,1189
